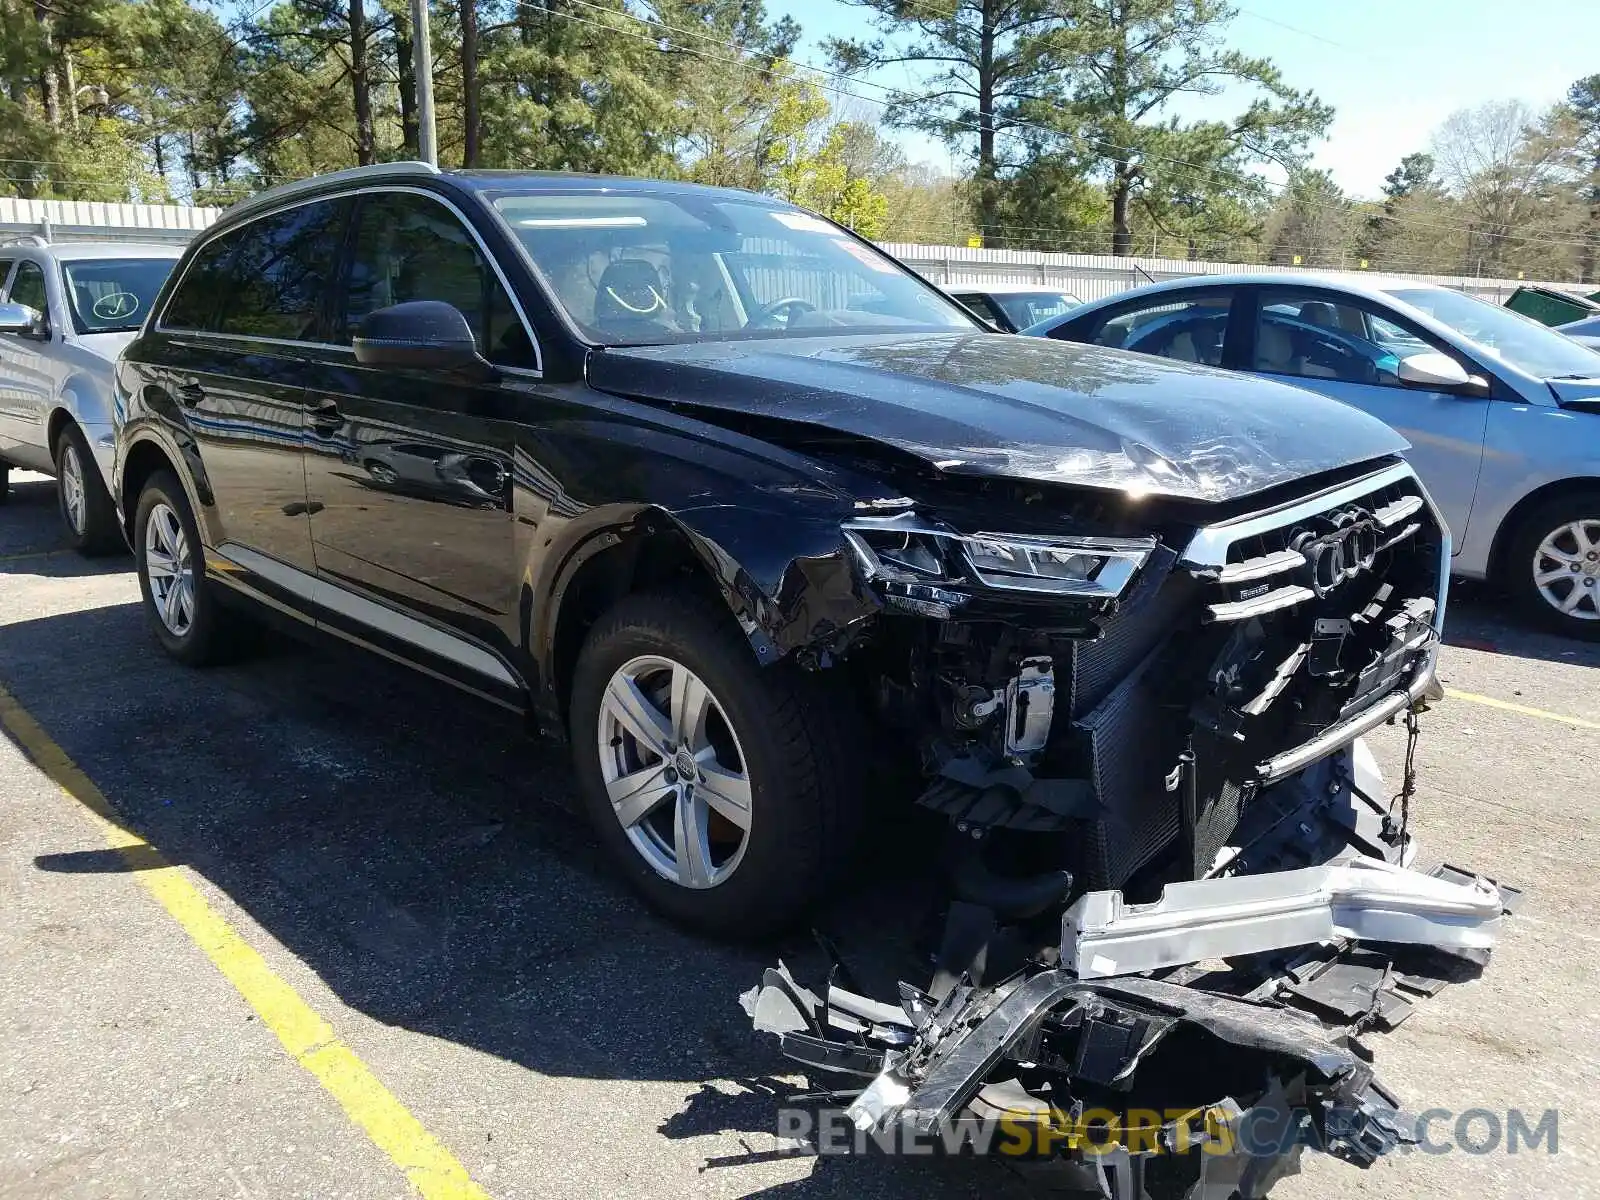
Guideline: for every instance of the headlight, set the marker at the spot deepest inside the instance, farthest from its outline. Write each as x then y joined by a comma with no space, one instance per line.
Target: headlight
906,550
1063,566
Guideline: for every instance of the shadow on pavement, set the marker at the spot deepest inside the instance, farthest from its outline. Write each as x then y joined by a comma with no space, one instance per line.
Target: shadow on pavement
33,541
419,852
1480,617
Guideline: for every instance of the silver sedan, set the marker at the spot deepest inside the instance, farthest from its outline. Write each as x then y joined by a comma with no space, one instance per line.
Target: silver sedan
1503,414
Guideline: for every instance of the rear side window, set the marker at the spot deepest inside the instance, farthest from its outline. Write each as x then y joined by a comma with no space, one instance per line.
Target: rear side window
410,247
266,279
205,285
1190,330
980,304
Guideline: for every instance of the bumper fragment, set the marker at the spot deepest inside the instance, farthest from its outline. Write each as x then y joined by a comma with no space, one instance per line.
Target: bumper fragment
1357,898
1192,1048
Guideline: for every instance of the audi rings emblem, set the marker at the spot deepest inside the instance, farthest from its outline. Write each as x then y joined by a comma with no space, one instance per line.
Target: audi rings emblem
1337,557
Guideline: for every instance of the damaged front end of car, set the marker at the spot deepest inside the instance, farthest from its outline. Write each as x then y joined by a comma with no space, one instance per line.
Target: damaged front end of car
1175,882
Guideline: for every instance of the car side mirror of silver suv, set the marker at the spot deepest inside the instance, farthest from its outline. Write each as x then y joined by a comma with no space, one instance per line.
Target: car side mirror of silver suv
420,335
1437,371
22,320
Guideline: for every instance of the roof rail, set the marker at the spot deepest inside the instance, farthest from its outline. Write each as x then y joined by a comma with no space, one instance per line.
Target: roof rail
350,174
24,239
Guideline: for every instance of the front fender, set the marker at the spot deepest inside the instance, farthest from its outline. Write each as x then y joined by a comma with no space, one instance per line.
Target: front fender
786,577
86,401
1525,450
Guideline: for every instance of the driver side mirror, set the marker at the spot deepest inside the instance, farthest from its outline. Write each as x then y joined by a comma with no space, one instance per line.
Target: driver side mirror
23,321
1438,372
420,335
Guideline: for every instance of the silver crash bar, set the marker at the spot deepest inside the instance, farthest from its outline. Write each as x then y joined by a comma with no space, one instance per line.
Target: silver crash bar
1360,898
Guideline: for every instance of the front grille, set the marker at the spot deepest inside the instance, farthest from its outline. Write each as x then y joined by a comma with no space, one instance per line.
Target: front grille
1188,663
1155,603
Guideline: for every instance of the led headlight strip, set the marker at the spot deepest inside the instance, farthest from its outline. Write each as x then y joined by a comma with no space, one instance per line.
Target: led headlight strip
906,549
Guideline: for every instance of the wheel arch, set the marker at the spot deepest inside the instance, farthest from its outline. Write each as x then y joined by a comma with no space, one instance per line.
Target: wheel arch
1506,533
142,459
777,600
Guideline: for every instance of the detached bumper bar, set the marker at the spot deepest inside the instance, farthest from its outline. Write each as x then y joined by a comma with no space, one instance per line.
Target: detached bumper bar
1363,899
1425,686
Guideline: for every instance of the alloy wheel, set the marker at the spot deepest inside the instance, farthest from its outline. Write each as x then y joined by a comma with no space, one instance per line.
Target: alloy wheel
169,566
1566,569
674,771
74,498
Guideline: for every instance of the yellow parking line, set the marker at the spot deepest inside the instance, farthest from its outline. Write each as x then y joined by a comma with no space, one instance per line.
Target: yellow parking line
1523,709
5,558
310,1040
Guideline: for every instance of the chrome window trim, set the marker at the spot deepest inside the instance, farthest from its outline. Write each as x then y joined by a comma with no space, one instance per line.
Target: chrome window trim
160,326
298,187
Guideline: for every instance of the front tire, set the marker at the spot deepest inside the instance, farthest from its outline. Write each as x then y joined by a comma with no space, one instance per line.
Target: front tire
81,495
1553,565
188,620
725,791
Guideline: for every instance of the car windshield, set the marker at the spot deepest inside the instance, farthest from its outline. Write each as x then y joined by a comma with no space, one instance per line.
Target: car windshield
1518,340
645,268
1029,308
111,295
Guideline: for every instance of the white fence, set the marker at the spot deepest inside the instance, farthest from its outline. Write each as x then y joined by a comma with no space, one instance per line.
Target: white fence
1086,276
90,221
1095,276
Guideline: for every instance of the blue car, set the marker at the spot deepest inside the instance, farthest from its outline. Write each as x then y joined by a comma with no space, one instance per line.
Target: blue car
1585,332
1503,414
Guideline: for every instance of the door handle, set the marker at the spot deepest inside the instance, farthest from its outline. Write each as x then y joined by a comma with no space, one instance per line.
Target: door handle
326,419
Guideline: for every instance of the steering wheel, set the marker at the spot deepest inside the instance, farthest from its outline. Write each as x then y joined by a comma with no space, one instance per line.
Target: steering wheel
767,312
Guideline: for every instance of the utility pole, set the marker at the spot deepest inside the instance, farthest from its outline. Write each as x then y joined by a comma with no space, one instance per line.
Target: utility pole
422,59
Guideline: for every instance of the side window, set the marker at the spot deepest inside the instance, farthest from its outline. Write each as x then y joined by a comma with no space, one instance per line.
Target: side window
265,279
981,305
205,286
5,269
1190,330
280,271
28,287
408,247
1317,336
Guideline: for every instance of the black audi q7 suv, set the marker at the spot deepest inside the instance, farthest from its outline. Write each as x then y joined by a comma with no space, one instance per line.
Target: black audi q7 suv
740,506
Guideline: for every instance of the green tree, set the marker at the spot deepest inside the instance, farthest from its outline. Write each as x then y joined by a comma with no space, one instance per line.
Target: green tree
1583,101
1508,169
985,62
1048,204
1413,200
564,87
1142,56
1311,223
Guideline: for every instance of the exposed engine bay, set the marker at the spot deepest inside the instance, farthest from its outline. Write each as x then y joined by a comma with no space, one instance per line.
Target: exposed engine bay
1176,882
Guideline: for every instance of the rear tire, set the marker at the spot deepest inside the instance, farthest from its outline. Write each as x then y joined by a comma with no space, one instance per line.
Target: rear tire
1553,565
779,735
191,624
81,495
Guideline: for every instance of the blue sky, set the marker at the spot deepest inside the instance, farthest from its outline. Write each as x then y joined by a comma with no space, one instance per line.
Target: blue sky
1392,69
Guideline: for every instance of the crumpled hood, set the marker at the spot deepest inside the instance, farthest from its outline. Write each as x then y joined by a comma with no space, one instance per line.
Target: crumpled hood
1026,408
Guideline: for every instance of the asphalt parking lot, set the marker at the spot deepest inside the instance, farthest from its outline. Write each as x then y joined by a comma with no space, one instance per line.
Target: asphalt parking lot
332,847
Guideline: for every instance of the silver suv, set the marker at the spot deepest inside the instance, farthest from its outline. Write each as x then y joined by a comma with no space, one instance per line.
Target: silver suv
68,310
